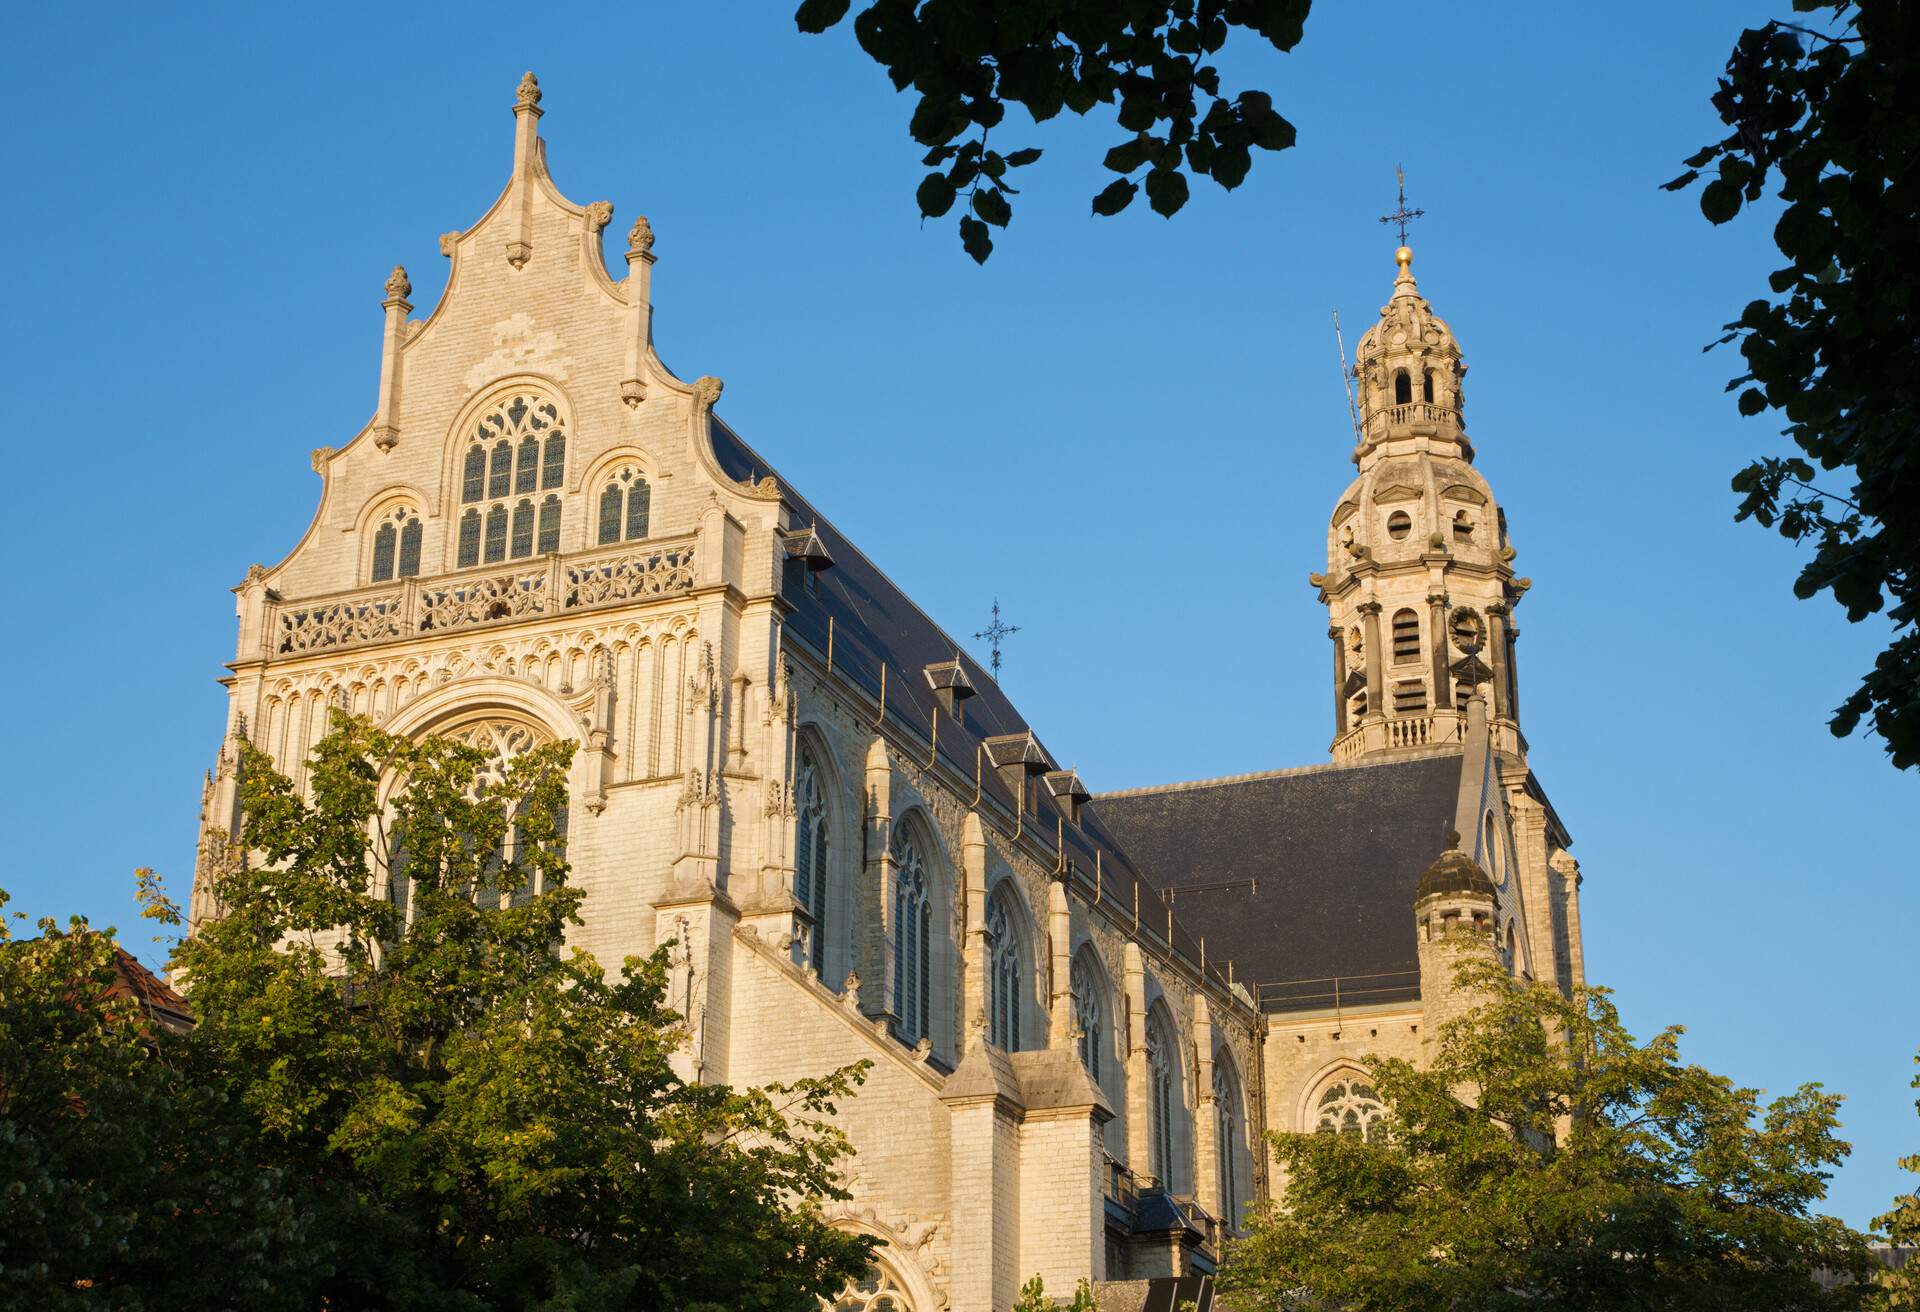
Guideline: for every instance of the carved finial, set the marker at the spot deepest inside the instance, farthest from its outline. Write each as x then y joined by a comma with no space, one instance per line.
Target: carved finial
256,572
599,215
448,240
1453,839
706,392
528,95
640,235
850,992
398,288
320,456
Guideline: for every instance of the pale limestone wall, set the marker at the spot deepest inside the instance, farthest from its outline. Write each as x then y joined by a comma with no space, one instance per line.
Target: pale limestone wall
1303,1054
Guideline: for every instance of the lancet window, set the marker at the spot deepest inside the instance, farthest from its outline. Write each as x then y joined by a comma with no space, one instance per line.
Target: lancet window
912,940
517,452
1089,1011
625,504
1227,1131
1349,1106
1406,637
396,545
810,859
1005,977
1163,1083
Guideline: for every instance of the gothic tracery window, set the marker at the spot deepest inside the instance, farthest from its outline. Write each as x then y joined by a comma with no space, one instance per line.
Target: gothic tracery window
912,940
1004,974
396,545
517,452
877,1291
1349,1106
502,741
810,858
625,504
1089,1012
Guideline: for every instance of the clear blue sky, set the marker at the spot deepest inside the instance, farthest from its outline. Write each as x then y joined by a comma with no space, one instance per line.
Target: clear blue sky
204,208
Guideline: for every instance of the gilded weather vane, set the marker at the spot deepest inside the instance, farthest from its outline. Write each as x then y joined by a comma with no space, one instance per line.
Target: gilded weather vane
1401,215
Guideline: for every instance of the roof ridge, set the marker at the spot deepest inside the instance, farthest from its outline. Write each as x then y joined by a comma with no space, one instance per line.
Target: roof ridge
1424,754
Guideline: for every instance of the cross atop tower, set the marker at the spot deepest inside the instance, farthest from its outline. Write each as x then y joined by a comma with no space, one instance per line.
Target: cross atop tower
1401,215
994,632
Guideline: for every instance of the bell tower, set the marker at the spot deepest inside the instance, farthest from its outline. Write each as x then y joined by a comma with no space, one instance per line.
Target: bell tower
1419,587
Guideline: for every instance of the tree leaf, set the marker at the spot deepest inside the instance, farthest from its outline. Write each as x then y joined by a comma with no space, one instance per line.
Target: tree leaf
1116,197
1021,158
992,206
1166,191
974,237
816,16
935,195
1719,201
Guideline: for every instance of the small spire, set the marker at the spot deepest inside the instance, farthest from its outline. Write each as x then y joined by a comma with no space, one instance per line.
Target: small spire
528,94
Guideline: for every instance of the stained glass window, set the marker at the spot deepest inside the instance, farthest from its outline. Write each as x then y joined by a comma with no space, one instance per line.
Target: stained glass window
625,503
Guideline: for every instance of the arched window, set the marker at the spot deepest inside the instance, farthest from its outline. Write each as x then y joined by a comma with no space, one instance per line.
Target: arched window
502,741
1349,1106
1406,636
1402,388
1006,980
516,450
396,545
1228,1122
912,940
1089,1010
625,504
877,1291
1462,526
1426,390
810,859
1163,1093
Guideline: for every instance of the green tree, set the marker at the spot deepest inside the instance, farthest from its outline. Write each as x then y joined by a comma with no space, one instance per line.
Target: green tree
1585,1171
484,1120
970,59
1902,1226
123,1183
1829,118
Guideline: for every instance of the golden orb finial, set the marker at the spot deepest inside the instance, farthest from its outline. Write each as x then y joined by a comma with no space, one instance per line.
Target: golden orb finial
1403,257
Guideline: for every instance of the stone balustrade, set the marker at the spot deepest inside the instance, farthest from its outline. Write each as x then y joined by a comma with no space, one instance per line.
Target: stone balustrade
492,594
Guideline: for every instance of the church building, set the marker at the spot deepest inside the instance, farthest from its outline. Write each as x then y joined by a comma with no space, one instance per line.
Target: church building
1083,1010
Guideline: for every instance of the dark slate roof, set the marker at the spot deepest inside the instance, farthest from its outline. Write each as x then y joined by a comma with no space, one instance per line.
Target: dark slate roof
874,624
1299,876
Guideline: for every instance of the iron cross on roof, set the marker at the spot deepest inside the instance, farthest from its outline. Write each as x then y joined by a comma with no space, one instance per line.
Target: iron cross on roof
1401,215
994,632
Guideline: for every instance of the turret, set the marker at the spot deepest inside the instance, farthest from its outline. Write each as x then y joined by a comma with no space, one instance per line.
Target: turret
1453,913
1419,586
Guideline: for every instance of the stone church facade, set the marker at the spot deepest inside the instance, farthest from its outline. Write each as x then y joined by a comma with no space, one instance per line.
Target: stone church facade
1083,1011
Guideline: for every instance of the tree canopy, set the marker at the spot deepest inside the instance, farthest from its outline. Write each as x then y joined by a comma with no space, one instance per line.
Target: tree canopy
1548,1158
1826,118
971,59
444,1108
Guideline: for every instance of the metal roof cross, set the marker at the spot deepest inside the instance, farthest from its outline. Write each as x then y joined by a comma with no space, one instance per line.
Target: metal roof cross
994,632
1401,215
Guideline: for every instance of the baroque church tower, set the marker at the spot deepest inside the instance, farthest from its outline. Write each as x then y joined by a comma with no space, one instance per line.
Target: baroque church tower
1419,585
